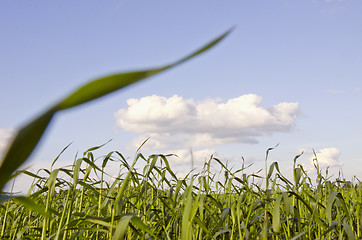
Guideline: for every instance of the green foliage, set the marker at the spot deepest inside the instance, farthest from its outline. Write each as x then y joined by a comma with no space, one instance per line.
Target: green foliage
76,202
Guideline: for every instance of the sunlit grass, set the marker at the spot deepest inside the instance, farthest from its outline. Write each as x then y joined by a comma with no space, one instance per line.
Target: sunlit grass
76,202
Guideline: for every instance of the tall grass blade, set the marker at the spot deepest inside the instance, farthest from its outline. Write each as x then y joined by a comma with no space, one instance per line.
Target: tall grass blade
330,201
56,159
186,215
276,214
347,228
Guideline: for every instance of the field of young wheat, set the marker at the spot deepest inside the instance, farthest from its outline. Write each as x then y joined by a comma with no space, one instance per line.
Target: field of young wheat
81,201
75,202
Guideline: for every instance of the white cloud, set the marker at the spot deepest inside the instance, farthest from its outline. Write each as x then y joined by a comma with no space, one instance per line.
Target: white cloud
183,123
327,157
5,136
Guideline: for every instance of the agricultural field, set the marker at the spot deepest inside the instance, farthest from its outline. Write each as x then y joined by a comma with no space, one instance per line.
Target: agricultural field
83,201
76,202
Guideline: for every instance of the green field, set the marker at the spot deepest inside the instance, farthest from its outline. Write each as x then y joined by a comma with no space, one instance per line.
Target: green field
75,202
78,202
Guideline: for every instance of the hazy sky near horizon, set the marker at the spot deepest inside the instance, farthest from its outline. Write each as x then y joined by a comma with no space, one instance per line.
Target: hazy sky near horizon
289,74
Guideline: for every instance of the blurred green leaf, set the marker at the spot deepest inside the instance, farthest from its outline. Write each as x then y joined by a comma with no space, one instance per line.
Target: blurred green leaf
29,135
23,144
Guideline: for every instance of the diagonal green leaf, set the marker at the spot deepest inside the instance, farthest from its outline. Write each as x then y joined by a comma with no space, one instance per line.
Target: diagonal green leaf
136,221
303,201
122,227
23,144
30,204
347,228
300,235
201,224
28,136
108,84
96,147
56,159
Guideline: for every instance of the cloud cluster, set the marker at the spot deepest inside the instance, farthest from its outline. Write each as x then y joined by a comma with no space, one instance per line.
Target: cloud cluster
327,157
183,123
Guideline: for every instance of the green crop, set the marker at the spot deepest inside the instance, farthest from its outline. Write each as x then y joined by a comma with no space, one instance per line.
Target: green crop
76,202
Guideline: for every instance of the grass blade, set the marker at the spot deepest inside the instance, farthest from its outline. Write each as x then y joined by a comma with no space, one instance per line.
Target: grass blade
186,215
276,214
330,202
347,228
30,204
108,84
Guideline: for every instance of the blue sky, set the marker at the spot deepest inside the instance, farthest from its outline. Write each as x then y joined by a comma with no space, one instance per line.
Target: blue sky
290,73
